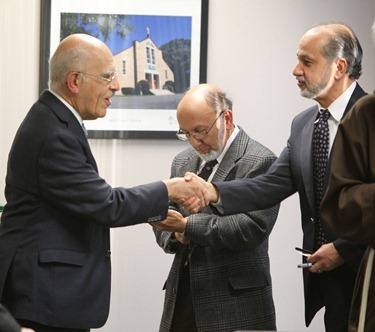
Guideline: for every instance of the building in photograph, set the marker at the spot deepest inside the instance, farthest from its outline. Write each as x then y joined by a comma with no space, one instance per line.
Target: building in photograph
143,61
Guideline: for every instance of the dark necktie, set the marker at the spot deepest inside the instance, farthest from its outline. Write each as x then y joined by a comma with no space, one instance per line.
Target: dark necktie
207,169
320,154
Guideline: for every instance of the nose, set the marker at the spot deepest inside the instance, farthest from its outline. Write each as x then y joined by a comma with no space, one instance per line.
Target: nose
297,71
115,84
195,142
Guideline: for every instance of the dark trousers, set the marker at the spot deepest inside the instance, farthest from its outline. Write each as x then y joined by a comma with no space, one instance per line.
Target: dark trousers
42,328
183,316
336,290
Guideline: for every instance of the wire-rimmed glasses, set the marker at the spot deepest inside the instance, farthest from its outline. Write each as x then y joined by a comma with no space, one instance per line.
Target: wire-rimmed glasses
198,135
109,79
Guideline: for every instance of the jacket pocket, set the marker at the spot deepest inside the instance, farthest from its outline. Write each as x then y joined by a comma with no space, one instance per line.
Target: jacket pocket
252,279
62,256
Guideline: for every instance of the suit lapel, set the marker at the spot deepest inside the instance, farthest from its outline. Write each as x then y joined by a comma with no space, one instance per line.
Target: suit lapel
235,152
306,157
70,121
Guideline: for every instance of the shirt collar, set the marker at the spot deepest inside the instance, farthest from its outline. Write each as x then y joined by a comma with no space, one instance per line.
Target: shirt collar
337,108
228,143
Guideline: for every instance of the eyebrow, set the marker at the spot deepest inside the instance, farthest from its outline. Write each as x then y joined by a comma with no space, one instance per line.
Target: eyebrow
109,72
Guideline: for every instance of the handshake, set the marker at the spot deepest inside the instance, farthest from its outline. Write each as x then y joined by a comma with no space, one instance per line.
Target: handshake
191,191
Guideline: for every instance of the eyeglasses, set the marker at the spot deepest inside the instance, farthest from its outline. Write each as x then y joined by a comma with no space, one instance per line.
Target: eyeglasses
106,79
198,135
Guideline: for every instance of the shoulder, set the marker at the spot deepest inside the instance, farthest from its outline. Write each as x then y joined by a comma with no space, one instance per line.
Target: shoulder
253,146
306,115
362,111
185,155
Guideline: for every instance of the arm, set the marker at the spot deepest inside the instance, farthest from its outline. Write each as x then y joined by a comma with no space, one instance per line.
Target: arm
242,231
260,192
71,183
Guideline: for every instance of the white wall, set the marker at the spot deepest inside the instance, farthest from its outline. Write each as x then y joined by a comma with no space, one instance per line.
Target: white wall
251,54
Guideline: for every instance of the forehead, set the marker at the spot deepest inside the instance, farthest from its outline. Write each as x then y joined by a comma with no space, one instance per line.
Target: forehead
102,61
194,114
311,45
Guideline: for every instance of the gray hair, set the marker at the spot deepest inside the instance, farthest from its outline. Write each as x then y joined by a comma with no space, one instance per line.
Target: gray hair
343,43
218,100
64,62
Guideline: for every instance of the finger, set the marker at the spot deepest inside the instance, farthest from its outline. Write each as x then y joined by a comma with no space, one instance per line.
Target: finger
188,176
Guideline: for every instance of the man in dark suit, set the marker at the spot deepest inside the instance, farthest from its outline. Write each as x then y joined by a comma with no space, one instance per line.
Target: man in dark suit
220,277
329,62
54,232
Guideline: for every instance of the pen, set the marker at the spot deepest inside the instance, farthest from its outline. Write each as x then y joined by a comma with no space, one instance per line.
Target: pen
305,265
305,251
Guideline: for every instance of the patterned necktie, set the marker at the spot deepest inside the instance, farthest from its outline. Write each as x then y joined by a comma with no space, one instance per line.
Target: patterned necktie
320,154
207,169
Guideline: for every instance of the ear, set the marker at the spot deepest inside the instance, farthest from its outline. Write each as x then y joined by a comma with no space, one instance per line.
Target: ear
341,67
72,81
228,117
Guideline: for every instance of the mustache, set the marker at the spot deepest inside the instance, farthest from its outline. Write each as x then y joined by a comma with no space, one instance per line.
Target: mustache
301,79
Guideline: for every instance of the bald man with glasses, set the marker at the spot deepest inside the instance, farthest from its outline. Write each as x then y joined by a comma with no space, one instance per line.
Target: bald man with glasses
55,253
220,276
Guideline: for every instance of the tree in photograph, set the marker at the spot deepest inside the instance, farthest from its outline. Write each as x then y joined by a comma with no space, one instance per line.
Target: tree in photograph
98,25
177,54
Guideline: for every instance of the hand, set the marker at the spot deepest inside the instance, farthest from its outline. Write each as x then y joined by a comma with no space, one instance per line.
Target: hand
212,193
190,191
180,237
25,329
326,258
175,222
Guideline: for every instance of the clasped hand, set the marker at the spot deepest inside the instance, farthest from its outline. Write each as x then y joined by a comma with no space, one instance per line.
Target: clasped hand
191,191
175,222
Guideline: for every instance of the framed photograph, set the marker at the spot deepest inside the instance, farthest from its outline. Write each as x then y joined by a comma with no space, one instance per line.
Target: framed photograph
159,48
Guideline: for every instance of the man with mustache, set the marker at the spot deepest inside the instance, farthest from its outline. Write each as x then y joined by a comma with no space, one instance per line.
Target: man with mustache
328,64
220,276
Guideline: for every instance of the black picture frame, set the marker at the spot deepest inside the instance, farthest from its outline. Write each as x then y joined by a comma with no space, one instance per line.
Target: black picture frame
145,119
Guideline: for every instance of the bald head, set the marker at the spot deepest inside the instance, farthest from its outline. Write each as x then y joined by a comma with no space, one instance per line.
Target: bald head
203,98
205,118
76,52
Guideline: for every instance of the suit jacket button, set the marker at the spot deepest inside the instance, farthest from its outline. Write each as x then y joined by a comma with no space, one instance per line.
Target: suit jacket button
174,290
108,253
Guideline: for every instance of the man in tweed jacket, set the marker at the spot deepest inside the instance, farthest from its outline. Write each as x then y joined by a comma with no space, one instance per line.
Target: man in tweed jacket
220,277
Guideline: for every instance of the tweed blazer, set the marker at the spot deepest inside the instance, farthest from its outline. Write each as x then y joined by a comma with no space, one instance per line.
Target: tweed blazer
54,231
293,172
229,264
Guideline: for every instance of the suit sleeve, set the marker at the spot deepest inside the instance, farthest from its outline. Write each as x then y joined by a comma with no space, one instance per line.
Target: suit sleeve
69,182
348,206
260,192
241,231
